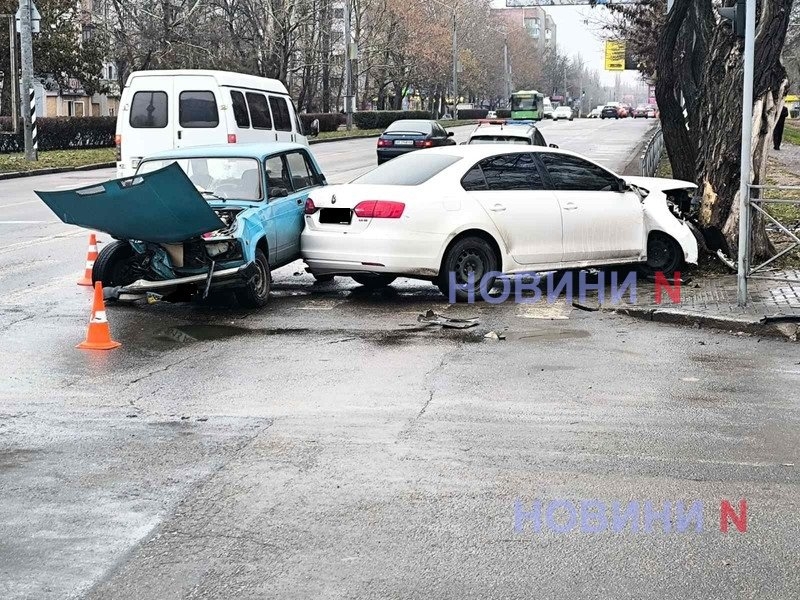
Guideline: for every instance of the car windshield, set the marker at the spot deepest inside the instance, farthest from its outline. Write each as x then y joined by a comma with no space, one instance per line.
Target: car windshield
499,139
409,169
216,177
523,103
410,126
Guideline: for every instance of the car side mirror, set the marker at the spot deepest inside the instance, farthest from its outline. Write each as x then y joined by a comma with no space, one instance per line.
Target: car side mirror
315,128
623,186
278,192
450,134
554,146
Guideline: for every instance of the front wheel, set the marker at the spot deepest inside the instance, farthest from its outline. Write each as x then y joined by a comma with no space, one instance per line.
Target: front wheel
256,292
464,268
664,255
373,281
114,265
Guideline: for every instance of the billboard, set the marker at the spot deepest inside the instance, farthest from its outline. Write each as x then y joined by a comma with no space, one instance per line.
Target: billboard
615,55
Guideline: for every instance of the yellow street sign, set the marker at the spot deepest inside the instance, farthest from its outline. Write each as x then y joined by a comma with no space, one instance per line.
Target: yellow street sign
615,55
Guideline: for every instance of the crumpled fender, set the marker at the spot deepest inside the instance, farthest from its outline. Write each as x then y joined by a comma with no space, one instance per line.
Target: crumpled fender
659,217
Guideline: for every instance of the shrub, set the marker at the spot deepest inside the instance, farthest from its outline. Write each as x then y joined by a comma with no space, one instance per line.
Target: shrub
380,119
503,113
327,121
62,133
472,113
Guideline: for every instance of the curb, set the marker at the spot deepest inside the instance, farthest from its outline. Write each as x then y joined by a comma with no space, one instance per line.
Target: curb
754,326
53,170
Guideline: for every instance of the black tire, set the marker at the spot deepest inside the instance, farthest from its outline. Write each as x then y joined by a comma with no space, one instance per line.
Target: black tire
470,254
113,266
322,278
373,281
663,254
256,293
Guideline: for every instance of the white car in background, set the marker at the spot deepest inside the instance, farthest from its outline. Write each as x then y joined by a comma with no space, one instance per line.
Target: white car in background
475,209
562,112
595,114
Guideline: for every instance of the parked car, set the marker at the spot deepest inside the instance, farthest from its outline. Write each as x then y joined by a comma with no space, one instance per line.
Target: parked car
492,114
562,112
471,210
610,111
624,111
507,132
595,113
407,135
192,219
163,110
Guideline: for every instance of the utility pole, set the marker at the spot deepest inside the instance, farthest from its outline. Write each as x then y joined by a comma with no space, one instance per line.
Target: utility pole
746,158
455,66
26,46
507,68
14,75
348,67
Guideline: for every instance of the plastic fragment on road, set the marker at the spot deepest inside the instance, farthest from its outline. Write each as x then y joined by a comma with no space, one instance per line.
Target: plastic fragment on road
432,318
493,335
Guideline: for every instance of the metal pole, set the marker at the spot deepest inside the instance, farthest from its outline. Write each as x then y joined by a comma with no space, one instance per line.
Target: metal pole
506,69
26,46
455,67
746,159
12,36
348,76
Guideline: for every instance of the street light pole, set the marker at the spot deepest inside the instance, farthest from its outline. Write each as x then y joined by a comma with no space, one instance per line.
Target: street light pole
348,69
26,46
12,43
455,66
507,68
746,158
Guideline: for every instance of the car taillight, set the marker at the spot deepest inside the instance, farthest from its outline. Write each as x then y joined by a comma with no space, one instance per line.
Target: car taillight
382,143
231,138
310,209
423,143
379,209
118,144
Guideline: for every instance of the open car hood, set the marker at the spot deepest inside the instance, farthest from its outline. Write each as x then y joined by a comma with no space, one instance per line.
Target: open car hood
162,206
659,184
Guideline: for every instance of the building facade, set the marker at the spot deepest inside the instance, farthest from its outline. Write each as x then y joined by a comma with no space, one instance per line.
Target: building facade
536,21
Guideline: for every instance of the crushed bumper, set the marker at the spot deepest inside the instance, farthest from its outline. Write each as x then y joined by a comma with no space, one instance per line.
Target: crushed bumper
140,288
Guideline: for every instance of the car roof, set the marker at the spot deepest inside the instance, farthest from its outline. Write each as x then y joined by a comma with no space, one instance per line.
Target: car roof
259,150
479,151
520,131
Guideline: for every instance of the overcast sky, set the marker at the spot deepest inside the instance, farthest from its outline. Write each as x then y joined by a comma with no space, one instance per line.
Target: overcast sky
575,36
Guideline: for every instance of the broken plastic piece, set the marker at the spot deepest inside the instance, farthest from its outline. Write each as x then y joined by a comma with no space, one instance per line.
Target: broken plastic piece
432,318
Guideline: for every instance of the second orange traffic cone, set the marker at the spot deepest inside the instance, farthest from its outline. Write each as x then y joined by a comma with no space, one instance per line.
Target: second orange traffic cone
98,336
91,256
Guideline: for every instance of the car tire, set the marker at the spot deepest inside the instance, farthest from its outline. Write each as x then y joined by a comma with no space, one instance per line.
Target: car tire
113,265
470,254
322,278
373,281
664,254
256,292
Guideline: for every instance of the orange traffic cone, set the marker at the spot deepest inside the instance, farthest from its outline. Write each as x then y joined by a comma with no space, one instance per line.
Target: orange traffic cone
91,256
98,337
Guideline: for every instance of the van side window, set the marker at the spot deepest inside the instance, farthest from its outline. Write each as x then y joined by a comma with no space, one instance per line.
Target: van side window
280,112
240,110
198,109
259,111
149,110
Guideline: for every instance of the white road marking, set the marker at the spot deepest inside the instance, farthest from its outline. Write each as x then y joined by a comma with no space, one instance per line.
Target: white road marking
20,203
24,222
44,240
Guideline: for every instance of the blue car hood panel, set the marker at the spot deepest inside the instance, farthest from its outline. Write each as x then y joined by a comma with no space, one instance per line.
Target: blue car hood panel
162,206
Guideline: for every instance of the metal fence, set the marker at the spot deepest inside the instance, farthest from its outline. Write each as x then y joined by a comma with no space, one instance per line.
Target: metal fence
651,157
791,230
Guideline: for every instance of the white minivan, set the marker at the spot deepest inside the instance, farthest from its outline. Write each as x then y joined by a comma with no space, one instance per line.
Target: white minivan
163,110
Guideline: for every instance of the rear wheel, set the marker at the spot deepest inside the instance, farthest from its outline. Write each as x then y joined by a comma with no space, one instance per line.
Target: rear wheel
256,292
373,281
664,255
322,278
114,265
469,258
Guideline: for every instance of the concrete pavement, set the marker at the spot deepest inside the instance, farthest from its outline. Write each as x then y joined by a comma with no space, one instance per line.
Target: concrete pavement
330,446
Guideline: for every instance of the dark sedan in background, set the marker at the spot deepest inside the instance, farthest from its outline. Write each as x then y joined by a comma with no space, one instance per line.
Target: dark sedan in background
408,135
610,111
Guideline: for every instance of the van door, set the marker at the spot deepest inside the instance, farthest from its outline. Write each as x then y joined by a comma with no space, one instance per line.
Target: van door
197,103
282,118
146,123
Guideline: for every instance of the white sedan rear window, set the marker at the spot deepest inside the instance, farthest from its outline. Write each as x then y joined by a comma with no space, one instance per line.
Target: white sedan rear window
408,169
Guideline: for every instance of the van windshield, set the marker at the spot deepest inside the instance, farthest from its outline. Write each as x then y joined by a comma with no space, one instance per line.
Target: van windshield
216,177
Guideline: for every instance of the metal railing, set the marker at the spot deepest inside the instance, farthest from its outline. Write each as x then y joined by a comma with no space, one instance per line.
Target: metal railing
651,157
757,207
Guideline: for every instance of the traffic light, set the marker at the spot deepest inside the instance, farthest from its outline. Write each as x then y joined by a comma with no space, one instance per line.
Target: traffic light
737,15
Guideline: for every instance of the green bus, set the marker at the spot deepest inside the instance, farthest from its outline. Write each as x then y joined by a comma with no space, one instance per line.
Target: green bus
527,105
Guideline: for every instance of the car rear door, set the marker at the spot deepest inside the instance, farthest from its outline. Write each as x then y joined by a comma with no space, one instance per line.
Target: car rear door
197,102
599,221
147,120
511,189
286,206
304,177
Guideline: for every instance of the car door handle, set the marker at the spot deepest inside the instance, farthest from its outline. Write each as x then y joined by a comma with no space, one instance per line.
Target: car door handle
498,208
299,200
570,206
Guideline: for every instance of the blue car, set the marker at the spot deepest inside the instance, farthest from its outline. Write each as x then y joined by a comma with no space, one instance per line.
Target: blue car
194,219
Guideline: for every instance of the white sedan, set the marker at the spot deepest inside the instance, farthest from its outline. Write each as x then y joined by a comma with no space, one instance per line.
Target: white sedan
451,215
562,112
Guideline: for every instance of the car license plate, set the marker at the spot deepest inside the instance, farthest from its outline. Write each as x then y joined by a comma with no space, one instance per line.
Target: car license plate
403,142
335,216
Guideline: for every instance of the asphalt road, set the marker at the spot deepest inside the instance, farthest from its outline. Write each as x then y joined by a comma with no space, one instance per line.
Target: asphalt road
329,446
